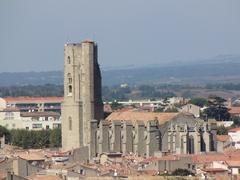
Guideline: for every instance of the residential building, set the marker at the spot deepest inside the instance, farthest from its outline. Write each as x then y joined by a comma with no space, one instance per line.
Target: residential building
32,104
235,136
12,118
234,111
223,142
191,108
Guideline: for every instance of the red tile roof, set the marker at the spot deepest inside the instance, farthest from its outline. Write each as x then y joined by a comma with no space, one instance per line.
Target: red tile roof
40,114
44,177
234,129
9,99
208,169
141,116
163,158
234,110
223,138
208,158
233,163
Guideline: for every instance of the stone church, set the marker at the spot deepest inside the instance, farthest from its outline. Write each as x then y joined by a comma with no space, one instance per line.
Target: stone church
142,133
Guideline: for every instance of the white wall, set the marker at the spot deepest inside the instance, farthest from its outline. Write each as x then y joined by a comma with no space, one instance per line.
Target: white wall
235,138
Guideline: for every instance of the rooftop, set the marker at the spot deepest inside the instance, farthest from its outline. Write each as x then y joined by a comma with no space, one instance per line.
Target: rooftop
39,114
223,138
208,169
233,163
44,177
234,129
31,156
234,110
22,99
208,158
141,116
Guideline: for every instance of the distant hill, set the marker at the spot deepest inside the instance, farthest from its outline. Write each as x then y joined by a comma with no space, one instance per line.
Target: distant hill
220,69
33,78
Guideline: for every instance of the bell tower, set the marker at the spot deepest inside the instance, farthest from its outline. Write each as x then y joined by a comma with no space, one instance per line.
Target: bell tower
82,107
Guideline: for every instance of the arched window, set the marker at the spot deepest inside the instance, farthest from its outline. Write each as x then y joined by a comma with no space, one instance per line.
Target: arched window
70,123
69,60
190,144
69,76
70,89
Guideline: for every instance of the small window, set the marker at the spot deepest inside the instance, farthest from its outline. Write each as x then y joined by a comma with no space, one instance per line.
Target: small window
36,126
69,60
70,80
70,123
70,89
69,76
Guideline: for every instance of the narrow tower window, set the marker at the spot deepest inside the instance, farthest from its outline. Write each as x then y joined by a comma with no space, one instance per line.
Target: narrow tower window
70,123
70,89
68,60
69,78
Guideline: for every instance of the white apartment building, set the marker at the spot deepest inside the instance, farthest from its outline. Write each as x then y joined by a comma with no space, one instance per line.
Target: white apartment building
12,118
26,104
235,135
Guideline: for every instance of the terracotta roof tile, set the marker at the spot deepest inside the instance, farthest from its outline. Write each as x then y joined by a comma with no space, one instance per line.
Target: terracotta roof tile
223,138
234,110
233,163
234,129
33,99
44,177
208,169
3,174
141,116
31,156
39,114
206,158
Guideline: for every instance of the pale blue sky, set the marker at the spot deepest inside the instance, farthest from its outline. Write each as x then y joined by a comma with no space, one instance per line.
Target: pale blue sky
138,32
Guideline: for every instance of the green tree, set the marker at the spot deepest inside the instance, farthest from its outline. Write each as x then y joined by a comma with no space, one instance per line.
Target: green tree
6,132
236,122
36,139
181,172
198,101
115,105
171,109
163,105
55,137
216,109
222,130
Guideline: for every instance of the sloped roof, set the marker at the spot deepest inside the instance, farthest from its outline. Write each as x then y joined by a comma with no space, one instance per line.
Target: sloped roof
233,163
209,169
223,138
234,110
39,114
207,158
44,177
141,116
8,99
234,129
32,156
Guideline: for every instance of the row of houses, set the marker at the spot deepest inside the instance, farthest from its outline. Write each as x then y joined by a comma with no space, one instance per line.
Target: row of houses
210,164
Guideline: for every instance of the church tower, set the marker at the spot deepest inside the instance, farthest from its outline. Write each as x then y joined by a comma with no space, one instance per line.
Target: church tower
82,108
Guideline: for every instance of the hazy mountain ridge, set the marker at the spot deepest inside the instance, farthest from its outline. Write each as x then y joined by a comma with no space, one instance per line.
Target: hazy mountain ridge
219,69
